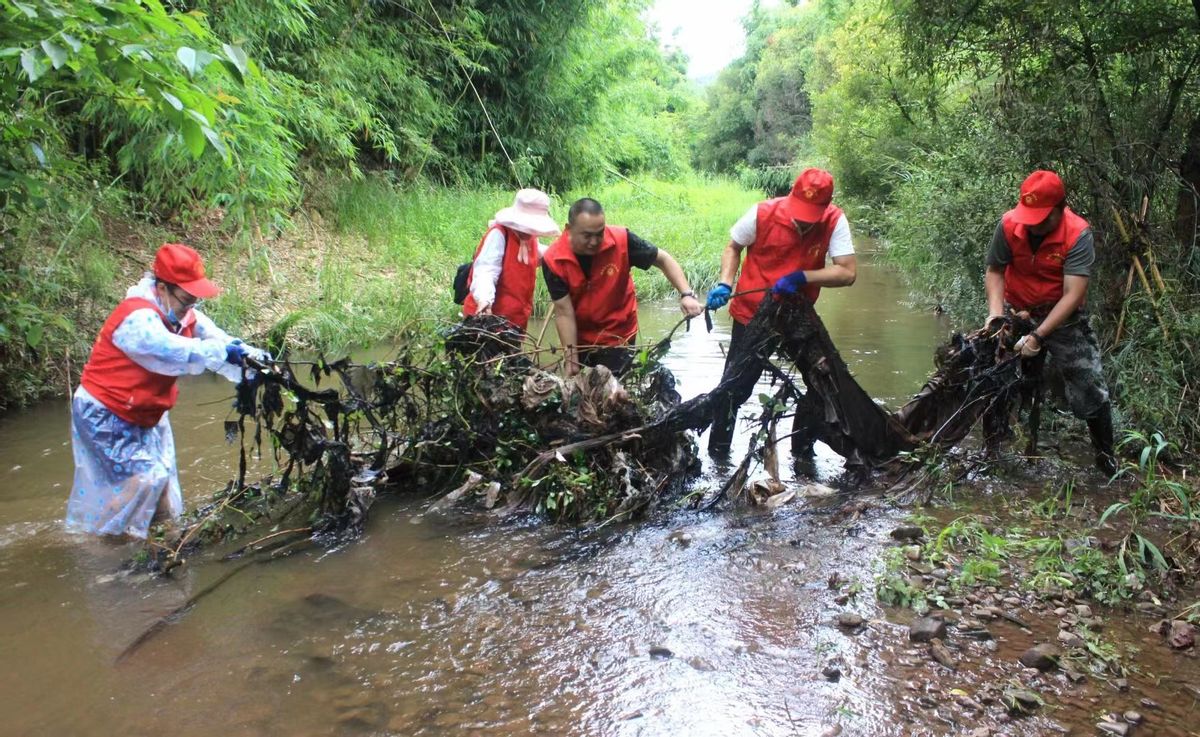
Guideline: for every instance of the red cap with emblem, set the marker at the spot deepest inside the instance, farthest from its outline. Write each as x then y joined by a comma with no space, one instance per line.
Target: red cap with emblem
810,195
180,265
1041,192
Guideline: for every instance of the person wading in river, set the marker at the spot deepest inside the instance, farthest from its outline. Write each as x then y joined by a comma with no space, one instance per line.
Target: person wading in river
1038,266
787,241
125,474
587,271
504,271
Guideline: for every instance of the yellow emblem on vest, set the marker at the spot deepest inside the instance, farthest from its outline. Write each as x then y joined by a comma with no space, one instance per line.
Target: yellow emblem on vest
610,270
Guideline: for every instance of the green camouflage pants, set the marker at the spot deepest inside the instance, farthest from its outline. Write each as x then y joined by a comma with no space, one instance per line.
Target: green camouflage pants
1073,367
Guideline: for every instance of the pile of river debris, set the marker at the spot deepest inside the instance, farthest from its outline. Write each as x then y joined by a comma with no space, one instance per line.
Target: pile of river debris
471,411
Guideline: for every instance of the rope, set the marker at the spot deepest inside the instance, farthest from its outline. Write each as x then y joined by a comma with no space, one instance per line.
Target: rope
478,97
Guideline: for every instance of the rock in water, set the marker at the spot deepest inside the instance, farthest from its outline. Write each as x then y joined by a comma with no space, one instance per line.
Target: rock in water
1181,635
924,629
941,654
1044,657
1116,728
908,533
850,620
1020,701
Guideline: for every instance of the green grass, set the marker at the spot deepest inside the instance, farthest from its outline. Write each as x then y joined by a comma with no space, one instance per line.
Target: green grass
382,259
416,235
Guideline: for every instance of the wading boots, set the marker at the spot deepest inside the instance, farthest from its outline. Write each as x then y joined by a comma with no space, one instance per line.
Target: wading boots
1100,428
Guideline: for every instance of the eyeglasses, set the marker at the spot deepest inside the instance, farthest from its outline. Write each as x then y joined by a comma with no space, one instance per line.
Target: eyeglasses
186,304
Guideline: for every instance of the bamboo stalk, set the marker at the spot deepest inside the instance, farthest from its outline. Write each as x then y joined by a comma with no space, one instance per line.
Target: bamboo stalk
1124,307
1137,264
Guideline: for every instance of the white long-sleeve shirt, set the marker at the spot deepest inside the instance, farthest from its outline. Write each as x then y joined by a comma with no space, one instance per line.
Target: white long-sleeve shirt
149,343
488,265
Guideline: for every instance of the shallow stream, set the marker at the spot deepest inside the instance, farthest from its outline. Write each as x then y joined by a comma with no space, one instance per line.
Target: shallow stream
685,624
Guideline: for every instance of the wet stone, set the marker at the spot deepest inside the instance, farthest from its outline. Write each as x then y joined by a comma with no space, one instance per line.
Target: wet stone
1115,728
978,632
1121,684
700,664
941,654
1149,703
832,673
1070,639
913,552
1043,657
924,629
850,620
659,652
908,533
1020,701
1181,635
1132,717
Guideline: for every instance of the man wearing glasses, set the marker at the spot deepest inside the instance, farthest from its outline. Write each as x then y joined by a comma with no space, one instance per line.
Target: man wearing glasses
125,474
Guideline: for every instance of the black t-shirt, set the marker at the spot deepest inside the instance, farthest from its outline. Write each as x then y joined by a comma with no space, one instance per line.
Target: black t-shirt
642,254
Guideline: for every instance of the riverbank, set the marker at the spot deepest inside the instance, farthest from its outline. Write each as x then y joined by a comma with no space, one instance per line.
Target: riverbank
360,262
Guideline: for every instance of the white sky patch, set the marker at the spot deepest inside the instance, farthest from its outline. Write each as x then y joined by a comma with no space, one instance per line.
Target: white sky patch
710,33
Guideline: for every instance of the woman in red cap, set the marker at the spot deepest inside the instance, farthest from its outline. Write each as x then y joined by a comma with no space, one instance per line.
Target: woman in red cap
787,241
125,474
504,272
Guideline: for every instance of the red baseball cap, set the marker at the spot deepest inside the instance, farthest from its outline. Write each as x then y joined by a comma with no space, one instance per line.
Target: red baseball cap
180,265
1041,192
810,195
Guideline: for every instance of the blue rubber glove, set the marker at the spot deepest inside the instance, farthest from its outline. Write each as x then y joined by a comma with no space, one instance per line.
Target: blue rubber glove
790,284
718,296
236,353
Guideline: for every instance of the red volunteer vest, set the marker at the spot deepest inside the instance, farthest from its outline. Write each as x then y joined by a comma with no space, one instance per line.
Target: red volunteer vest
604,300
779,250
129,391
1034,280
514,288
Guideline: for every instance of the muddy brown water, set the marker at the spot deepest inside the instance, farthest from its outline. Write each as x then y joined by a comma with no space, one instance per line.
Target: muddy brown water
684,624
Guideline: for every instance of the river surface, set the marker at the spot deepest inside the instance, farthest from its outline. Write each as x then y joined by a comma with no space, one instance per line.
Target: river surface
684,624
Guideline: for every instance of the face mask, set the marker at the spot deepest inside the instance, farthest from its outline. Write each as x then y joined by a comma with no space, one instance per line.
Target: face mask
171,318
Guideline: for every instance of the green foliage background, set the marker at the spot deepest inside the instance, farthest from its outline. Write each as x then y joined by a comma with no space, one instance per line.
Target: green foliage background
141,118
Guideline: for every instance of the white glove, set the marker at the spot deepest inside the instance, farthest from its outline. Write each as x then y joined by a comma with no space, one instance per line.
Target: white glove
1028,345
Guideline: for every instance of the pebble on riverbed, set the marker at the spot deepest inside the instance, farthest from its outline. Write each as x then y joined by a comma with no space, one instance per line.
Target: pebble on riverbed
1044,657
925,629
908,533
850,620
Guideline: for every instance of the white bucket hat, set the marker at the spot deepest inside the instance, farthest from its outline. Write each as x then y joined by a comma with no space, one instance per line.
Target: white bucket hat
530,213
